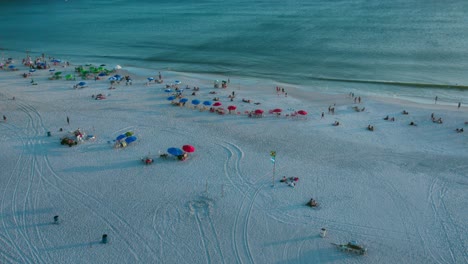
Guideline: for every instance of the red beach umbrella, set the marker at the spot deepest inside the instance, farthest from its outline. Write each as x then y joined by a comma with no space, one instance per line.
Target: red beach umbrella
302,112
277,110
217,104
188,148
259,111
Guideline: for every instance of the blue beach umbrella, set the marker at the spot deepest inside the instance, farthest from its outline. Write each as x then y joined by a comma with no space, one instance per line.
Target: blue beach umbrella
82,83
118,77
12,66
207,103
170,98
32,70
177,82
175,151
52,70
150,79
112,78
183,100
168,90
130,139
102,74
195,102
56,60
120,137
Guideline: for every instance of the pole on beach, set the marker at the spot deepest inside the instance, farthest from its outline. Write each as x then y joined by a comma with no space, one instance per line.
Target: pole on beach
273,159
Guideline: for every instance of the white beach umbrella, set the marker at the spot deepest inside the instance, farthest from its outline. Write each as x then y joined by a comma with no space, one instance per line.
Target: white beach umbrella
118,67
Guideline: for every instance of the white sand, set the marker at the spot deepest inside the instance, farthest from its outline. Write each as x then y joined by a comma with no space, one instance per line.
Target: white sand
400,190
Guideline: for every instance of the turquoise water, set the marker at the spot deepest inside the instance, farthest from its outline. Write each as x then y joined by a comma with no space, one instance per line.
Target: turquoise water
418,47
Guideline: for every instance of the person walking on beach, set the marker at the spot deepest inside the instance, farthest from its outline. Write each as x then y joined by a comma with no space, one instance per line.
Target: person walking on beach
435,100
323,115
68,120
459,105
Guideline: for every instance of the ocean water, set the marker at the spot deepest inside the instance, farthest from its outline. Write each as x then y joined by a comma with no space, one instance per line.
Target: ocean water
400,48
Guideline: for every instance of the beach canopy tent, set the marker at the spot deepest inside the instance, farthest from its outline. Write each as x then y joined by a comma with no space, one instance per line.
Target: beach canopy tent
207,103
188,148
175,151
196,102
302,112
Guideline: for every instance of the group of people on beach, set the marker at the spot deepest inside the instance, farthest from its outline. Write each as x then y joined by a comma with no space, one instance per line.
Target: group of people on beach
291,181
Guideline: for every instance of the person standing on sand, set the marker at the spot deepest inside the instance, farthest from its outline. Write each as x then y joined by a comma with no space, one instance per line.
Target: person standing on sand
459,105
4,118
68,120
435,100
323,115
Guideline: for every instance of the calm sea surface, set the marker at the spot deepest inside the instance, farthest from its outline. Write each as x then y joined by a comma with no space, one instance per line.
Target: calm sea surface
421,47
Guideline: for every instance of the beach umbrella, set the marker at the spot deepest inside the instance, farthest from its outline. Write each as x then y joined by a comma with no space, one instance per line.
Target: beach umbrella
32,70
112,79
150,79
118,67
207,103
302,112
175,151
102,74
258,111
120,137
102,65
56,60
130,139
177,82
57,73
217,104
118,77
183,100
12,66
231,108
82,83
170,98
168,90
277,110
188,148
195,102
52,70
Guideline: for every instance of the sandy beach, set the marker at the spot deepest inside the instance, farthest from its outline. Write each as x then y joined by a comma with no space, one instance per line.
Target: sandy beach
400,190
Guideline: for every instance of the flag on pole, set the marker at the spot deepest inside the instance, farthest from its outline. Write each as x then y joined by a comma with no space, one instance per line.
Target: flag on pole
273,156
